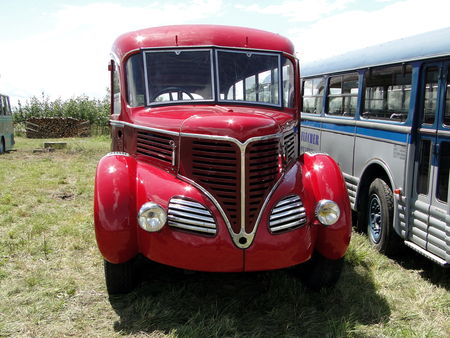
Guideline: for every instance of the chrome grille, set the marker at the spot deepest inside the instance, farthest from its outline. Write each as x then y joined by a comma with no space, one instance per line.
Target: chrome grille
156,146
261,176
191,216
290,144
288,213
215,166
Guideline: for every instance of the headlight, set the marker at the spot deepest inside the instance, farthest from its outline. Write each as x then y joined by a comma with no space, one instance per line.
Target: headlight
327,212
152,217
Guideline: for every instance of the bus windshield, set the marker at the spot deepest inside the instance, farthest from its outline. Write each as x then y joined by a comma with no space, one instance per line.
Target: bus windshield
190,75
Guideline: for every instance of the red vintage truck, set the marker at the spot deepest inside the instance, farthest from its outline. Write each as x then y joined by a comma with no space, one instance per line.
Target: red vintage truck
205,172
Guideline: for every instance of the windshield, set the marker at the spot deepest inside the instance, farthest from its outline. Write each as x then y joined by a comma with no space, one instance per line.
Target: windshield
189,76
179,75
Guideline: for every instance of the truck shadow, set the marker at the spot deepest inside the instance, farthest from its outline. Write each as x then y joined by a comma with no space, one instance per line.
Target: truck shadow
273,303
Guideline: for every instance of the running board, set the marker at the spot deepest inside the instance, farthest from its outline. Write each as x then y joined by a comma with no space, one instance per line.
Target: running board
427,254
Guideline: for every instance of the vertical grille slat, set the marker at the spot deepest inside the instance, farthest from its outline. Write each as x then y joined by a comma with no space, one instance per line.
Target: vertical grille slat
289,213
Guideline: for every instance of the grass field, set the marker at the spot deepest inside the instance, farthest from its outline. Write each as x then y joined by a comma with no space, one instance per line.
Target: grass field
51,274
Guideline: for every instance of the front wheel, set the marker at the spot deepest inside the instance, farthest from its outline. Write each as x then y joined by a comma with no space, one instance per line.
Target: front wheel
320,272
120,278
379,218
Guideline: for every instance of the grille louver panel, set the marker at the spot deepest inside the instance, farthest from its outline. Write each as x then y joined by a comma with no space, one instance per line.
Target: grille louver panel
191,216
155,146
287,214
215,166
262,171
290,143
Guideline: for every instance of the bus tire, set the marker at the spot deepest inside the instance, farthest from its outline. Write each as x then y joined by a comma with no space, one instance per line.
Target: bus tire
319,272
2,146
379,217
120,278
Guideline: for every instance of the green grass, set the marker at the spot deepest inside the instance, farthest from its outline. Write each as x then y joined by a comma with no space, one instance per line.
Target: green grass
51,274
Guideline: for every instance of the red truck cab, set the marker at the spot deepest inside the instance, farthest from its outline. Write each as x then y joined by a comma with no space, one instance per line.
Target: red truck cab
205,172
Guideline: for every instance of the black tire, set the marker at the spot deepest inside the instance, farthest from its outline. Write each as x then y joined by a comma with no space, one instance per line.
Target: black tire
120,278
378,217
2,146
320,272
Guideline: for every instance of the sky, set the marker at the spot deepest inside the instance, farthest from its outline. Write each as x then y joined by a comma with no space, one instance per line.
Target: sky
61,48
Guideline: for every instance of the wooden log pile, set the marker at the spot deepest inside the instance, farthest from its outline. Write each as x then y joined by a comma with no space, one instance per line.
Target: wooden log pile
55,127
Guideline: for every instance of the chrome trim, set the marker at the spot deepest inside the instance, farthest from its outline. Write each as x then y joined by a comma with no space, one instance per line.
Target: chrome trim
114,153
427,254
286,226
281,213
194,228
190,215
131,125
183,220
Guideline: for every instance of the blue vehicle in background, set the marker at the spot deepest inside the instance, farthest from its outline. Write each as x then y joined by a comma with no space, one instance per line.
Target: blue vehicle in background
383,113
6,125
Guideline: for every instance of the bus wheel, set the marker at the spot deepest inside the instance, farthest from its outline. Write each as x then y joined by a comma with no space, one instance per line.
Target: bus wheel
320,272
120,278
379,217
2,146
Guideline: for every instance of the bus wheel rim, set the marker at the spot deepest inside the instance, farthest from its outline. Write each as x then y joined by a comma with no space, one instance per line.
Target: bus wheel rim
375,218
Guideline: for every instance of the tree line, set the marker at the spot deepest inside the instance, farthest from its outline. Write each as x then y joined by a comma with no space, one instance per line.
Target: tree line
96,111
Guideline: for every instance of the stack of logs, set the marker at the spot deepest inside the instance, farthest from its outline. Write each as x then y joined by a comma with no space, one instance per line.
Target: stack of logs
54,127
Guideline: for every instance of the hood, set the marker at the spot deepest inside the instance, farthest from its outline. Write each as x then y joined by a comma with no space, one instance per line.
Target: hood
238,122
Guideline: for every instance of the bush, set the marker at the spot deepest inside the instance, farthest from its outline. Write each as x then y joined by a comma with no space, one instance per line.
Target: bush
81,107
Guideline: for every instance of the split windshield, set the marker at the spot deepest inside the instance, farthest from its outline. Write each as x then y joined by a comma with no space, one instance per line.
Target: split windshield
159,77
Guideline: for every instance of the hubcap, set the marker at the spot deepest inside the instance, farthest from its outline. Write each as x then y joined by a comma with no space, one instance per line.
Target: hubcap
374,225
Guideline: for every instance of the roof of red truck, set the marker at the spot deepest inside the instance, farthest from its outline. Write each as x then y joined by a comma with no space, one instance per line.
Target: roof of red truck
201,35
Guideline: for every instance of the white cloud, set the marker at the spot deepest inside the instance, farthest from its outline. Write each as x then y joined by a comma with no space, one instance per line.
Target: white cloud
357,29
300,11
72,58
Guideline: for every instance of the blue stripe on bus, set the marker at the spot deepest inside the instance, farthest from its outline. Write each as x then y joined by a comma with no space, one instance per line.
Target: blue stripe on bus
308,123
339,127
383,134
360,131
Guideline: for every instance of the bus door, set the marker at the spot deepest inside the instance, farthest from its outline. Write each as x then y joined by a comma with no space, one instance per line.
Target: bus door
430,222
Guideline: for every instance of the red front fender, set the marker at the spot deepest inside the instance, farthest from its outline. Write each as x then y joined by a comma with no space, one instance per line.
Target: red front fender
114,207
322,178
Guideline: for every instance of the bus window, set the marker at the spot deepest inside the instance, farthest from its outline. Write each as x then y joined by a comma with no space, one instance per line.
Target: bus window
443,172
116,90
250,77
288,84
447,101
312,95
343,95
424,167
388,92
431,89
135,81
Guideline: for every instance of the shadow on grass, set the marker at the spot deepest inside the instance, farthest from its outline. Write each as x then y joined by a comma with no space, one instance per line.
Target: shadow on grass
432,272
247,304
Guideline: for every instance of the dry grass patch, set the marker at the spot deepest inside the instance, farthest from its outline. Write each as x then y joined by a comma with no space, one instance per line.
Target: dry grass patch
51,274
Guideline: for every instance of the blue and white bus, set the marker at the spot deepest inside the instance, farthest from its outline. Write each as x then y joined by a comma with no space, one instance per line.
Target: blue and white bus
6,125
383,113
